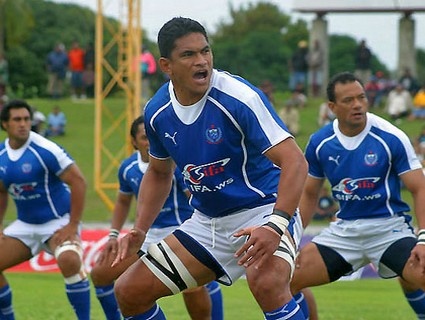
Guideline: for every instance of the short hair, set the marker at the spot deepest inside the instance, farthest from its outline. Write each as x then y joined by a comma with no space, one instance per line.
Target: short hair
342,77
135,126
13,104
174,29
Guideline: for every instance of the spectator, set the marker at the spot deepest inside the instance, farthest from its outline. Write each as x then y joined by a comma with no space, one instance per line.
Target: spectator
268,89
38,121
148,69
372,90
88,80
57,64
89,55
290,113
325,114
56,122
315,62
418,111
362,61
76,66
298,67
409,82
399,103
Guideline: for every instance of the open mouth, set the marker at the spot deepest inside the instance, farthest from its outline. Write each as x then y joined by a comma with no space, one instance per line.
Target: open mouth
201,75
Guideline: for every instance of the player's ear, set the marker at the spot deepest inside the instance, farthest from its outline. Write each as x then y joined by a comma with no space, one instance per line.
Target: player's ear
165,65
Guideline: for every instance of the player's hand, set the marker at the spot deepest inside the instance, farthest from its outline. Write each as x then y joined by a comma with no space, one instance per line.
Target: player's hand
109,250
67,232
261,244
129,245
417,257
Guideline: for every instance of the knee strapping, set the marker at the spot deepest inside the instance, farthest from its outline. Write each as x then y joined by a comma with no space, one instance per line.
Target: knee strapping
75,247
162,261
286,251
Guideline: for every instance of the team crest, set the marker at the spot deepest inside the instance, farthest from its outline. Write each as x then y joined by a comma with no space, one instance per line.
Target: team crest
214,135
26,167
371,159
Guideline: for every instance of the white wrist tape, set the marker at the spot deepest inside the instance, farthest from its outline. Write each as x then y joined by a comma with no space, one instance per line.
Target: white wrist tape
279,221
421,237
114,233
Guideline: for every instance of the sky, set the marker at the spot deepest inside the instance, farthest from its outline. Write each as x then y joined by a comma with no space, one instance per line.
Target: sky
380,30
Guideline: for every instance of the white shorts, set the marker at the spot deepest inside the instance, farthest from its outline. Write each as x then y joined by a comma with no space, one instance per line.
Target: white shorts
155,235
364,241
216,235
35,236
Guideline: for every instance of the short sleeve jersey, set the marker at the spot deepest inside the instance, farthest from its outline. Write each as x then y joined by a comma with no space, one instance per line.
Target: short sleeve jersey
176,208
363,170
219,143
31,176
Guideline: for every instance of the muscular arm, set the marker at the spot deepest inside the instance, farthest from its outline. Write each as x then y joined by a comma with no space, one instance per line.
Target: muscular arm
415,183
121,210
288,156
309,199
153,192
73,177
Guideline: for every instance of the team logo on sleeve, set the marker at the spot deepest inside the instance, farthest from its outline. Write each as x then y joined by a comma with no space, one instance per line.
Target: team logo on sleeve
214,135
371,159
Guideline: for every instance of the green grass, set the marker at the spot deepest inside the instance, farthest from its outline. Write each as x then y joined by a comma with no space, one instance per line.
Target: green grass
42,296
79,142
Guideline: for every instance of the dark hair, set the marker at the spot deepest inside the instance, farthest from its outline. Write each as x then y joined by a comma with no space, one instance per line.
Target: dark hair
343,77
135,126
13,104
174,29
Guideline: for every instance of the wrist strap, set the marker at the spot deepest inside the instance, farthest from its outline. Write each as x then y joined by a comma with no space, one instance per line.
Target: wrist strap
421,237
279,221
114,233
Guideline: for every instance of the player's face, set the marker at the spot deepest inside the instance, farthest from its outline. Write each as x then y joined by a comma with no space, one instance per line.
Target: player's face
18,127
141,142
350,107
189,68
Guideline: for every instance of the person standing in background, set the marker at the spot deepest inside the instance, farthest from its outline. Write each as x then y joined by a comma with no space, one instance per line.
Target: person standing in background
4,74
298,67
76,65
362,62
148,69
57,64
315,61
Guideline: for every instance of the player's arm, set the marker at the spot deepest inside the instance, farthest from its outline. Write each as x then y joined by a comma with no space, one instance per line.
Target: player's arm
153,191
73,177
121,211
414,181
3,204
309,199
264,241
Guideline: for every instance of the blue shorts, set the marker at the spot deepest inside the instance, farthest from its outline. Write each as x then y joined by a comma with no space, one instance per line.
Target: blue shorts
77,79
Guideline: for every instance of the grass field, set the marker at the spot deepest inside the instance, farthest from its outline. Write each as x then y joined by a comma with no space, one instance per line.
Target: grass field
41,296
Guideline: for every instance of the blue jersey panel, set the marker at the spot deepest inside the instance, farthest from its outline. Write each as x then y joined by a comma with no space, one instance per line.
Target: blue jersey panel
31,176
363,170
219,143
176,208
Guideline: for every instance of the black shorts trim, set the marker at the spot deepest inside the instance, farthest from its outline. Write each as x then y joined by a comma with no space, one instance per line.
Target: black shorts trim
397,254
336,265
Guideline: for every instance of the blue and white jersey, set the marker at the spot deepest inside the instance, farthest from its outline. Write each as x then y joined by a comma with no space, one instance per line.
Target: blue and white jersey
363,170
176,208
219,143
31,176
